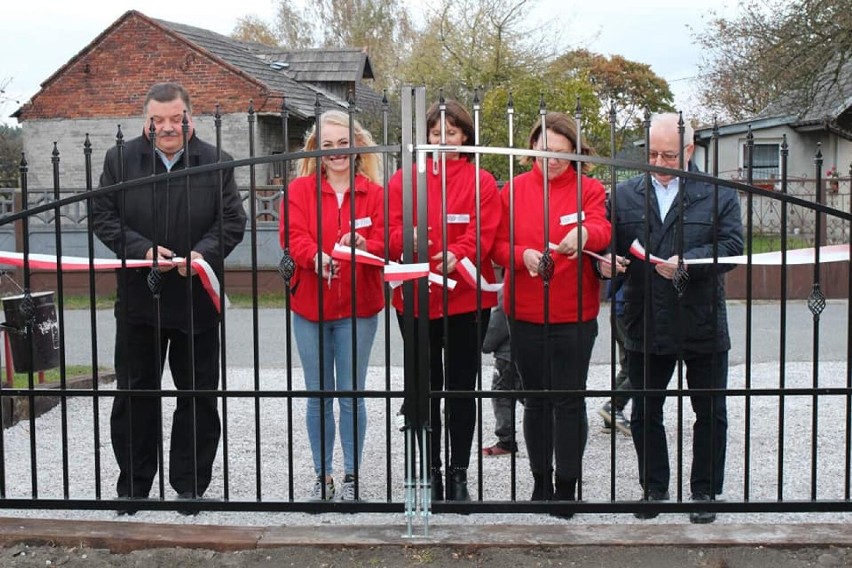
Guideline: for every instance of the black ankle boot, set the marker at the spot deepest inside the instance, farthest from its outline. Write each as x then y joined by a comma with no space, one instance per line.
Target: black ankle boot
566,490
542,486
457,485
437,484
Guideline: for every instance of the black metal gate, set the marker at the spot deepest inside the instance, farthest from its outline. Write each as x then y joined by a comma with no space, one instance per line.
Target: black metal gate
791,407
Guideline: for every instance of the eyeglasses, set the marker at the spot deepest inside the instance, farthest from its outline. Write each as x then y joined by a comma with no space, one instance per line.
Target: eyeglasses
666,156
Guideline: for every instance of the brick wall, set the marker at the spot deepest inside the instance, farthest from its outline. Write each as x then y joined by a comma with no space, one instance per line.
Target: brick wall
112,77
105,86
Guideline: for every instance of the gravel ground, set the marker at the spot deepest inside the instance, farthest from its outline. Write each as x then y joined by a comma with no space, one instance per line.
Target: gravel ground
760,432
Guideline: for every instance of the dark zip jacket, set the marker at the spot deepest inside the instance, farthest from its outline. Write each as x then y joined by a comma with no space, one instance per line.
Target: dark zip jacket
697,321
184,216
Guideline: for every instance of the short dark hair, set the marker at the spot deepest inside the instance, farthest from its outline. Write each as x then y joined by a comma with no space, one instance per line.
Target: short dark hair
456,115
165,93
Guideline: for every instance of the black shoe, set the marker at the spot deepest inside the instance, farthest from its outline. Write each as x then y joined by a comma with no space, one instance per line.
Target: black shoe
542,486
184,496
652,496
566,490
437,485
130,510
457,485
701,517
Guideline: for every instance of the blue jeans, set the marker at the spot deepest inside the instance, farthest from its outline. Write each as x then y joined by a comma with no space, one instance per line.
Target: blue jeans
337,360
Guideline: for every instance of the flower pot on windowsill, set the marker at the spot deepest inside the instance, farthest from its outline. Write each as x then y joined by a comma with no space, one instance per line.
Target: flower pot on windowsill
833,185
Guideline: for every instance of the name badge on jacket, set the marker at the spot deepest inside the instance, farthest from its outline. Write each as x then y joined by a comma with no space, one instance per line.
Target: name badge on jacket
458,218
363,222
571,219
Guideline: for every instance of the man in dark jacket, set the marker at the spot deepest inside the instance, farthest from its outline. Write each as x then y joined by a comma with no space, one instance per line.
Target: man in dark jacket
677,313
157,318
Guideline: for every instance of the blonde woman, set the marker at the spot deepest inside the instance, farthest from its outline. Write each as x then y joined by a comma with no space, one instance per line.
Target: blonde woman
321,289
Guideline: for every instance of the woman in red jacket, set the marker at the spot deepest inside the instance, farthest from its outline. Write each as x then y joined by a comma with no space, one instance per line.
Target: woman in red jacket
322,281
553,350
462,344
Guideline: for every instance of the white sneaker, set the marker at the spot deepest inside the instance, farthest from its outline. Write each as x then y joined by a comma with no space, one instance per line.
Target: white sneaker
316,492
347,490
400,421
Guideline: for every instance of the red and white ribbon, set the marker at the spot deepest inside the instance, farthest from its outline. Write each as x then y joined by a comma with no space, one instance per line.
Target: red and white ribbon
467,271
595,255
394,273
831,253
79,263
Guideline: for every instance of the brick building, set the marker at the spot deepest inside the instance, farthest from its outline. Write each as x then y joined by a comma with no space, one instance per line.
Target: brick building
104,86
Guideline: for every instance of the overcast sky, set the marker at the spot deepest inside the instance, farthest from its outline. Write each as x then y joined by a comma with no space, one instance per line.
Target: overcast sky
39,36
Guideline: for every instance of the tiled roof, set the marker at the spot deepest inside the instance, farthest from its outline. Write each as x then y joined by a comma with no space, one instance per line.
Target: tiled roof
291,74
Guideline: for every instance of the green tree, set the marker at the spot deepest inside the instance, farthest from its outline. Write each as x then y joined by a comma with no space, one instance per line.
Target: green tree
628,87
792,52
557,93
11,146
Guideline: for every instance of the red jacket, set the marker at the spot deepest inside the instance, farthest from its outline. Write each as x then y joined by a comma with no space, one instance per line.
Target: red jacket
369,223
461,230
529,233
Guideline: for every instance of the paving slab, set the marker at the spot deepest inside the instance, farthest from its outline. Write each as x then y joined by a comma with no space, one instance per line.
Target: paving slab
123,537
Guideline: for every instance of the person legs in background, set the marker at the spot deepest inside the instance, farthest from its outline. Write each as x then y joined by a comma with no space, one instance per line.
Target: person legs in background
505,378
613,409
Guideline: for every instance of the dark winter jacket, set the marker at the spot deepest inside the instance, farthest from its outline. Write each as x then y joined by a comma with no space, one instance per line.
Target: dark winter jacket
697,321
173,231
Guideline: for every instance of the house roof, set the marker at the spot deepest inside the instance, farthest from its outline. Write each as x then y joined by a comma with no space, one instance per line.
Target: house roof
293,74
300,88
829,109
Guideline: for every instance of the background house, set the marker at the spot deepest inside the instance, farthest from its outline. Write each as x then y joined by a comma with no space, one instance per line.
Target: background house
104,86
825,125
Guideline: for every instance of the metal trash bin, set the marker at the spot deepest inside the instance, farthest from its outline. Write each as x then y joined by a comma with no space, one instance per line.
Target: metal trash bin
45,332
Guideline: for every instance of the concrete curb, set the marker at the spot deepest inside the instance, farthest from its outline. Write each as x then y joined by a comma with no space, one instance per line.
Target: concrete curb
123,537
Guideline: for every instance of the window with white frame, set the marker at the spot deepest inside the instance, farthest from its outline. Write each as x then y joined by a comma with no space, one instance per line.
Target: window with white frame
766,160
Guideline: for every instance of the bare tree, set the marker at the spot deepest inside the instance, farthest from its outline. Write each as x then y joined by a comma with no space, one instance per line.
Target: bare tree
788,53
480,43
381,27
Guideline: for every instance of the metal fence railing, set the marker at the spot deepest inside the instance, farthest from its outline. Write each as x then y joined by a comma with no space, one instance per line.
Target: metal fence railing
783,398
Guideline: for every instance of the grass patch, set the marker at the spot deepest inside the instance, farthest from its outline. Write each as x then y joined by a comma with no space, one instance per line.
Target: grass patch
21,380
265,300
772,243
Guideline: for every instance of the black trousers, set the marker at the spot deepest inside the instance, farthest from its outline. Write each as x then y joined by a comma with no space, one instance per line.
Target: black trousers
136,421
555,427
461,348
709,433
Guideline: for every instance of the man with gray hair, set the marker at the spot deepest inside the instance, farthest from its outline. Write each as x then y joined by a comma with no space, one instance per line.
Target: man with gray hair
674,314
